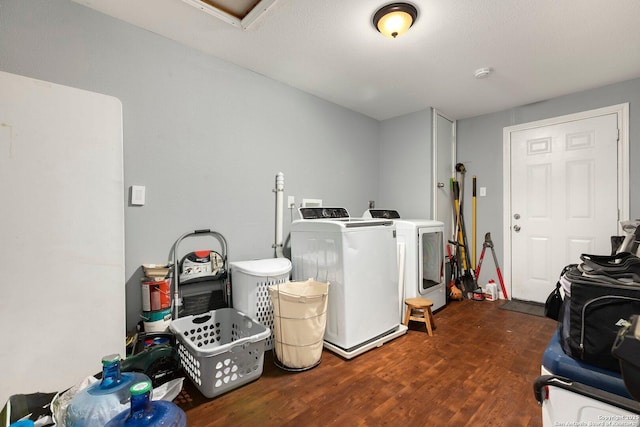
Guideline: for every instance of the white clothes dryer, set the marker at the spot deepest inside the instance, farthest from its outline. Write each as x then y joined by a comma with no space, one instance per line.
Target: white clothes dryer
423,269
357,257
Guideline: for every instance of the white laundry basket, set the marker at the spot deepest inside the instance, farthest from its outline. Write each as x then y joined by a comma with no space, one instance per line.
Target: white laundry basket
249,288
300,319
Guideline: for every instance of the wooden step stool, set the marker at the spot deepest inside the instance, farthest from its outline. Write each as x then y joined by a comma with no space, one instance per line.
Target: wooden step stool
419,310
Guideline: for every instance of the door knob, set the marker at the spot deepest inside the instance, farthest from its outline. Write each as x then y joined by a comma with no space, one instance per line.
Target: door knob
440,184
516,228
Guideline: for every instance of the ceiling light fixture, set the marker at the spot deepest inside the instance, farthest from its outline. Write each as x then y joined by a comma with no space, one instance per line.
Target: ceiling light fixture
395,19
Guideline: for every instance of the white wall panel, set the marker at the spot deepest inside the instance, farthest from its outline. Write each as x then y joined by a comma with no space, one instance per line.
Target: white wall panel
62,232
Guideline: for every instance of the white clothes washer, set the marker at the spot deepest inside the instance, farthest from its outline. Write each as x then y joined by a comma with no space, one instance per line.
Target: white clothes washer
423,268
357,257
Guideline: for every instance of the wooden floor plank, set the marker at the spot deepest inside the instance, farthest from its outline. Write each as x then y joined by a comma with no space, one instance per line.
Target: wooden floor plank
477,369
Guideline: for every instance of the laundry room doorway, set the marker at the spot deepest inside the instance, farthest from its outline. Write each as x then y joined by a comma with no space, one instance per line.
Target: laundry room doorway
444,148
566,187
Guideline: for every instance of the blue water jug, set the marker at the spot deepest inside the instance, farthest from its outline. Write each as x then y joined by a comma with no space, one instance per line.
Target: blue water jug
145,412
101,401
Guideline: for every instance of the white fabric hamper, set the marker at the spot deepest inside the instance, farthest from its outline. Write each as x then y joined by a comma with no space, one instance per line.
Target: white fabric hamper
249,288
300,319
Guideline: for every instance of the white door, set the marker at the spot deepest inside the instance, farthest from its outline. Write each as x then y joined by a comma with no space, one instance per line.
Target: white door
564,199
62,231
443,156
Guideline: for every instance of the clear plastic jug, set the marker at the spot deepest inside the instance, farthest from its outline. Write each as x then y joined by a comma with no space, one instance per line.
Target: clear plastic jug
491,291
101,401
145,412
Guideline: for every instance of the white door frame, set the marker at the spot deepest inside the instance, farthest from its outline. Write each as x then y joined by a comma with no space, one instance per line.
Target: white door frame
434,138
622,110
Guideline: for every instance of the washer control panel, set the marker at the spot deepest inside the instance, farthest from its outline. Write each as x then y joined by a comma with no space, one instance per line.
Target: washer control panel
324,213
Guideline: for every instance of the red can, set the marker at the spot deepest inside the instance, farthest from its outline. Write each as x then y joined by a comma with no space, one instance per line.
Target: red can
156,295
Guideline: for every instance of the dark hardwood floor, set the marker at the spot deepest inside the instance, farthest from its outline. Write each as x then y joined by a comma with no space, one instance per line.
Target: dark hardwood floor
477,370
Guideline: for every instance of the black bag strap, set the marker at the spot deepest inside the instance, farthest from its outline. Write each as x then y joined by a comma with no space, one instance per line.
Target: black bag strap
595,261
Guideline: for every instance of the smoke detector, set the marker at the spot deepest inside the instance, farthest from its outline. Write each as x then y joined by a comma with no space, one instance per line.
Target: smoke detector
483,73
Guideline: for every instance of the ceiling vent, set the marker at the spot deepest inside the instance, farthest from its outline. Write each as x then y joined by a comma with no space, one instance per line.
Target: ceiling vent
239,13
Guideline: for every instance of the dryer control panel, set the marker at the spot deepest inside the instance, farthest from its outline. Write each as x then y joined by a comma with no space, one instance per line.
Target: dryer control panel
384,213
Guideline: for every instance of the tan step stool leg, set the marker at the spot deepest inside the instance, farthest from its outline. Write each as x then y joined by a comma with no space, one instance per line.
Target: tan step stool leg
428,319
407,316
432,323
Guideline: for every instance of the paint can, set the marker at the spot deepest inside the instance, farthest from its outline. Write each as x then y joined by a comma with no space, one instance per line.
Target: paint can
478,294
156,294
156,321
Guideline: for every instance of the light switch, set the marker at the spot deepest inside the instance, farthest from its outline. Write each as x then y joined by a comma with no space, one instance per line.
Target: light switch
137,195
483,191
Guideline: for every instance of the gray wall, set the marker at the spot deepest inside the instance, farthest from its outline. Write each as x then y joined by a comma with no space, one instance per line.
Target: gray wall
205,137
406,164
479,147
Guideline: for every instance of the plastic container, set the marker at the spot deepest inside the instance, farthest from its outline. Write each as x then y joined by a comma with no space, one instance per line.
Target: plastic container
250,285
156,321
156,294
101,401
156,271
220,350
556,362
300,319
491,291
145,412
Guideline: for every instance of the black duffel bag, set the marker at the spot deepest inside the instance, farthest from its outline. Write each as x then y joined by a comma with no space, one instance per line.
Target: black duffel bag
592,315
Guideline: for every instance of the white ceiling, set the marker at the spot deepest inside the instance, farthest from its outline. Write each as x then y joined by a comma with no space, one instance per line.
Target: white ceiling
539,49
